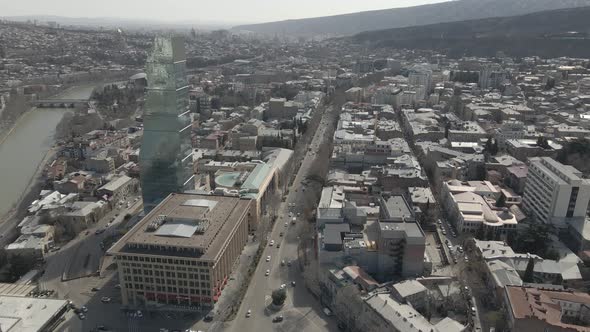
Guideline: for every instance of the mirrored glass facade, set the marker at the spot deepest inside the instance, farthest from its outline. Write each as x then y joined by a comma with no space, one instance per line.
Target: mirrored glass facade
166,150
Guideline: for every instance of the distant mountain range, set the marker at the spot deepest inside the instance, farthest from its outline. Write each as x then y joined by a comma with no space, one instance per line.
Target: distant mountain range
112,22
564,32
451,11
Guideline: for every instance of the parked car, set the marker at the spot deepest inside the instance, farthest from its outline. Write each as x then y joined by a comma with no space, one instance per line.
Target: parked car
277,319
268,258
105,299
267,273
249,313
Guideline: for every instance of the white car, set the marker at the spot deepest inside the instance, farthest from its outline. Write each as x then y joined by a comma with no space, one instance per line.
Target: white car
272,243
267,273
286,224
268,258
249,313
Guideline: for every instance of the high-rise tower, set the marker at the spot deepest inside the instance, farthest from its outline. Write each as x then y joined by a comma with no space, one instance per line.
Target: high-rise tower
166,150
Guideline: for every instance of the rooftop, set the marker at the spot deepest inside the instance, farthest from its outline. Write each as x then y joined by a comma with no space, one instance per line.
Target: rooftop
544,305
24,314
197,224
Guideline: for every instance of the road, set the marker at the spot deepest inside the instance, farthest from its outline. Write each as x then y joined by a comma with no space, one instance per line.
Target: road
71,257
301,311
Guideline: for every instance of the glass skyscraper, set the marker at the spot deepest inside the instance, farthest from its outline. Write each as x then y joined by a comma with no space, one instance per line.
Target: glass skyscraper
166,150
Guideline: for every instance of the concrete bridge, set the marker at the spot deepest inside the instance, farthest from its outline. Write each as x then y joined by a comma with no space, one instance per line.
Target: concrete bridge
59,103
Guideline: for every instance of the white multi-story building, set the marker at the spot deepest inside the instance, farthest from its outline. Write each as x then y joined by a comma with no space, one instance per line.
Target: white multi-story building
555,192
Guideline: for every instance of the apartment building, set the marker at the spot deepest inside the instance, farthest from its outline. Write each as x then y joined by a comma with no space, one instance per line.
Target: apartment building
181,253
534,309
555,193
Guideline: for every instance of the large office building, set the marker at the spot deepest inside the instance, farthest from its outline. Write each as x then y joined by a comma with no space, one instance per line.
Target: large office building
555,193
166,150
181,253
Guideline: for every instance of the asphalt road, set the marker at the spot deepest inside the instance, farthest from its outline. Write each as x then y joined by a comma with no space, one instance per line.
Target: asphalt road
71,257
301,311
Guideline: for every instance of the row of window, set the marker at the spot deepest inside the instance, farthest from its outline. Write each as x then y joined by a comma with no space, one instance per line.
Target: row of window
170,289
173,261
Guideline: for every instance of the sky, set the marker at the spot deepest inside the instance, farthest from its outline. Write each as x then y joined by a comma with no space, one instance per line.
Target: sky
205,11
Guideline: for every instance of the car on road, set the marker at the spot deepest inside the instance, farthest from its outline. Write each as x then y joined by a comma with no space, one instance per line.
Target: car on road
277,319
267,273
81,316
293,221
102,328
283,262
208,318
139,313
278,245
118,286
105,299
289,263
444,232
99,231
460,249
473,310
87,232
268,258
249,313
283,286
272,243
293,283
286,224
95,289
84,309
281,234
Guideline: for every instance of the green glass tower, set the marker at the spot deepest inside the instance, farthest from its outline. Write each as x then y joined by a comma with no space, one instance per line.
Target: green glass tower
166,151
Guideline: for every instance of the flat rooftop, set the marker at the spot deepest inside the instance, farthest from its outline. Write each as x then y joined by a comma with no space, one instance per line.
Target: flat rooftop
199,224
25,314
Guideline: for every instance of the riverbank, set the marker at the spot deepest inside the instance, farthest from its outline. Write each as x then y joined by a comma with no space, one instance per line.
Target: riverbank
31,193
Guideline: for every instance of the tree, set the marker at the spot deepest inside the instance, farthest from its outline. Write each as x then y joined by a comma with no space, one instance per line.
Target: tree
501,202
530,269
279,296
543,142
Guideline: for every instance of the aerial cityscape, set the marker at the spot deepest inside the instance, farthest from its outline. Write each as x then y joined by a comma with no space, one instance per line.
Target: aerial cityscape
424,168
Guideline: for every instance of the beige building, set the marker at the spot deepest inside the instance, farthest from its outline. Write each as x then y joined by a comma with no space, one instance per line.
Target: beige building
181,253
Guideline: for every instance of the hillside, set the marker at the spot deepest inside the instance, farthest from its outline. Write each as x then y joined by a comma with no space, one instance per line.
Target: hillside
548,34
452,11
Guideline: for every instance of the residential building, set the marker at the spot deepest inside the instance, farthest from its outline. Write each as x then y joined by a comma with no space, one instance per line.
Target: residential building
533,309
555,193
182,252
471,206
166,150
118,189
386,314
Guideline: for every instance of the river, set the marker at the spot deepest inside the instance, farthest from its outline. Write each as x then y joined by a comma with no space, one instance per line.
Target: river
22,151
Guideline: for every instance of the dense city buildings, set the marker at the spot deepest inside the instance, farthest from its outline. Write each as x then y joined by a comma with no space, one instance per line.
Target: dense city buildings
230,181
166,150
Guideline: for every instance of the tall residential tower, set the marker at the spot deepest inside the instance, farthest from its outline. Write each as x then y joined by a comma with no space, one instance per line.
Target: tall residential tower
166,150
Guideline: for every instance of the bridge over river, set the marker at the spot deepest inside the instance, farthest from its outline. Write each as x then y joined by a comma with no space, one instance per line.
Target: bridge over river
59,103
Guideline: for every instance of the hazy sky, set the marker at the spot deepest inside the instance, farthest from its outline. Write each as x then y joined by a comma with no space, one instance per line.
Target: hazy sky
230,11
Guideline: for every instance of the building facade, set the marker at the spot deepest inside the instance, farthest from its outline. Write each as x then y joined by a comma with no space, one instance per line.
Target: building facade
555,193
166,150
181,253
